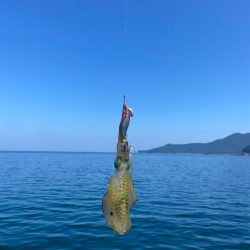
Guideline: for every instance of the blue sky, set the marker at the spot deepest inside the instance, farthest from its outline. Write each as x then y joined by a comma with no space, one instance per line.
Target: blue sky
63,73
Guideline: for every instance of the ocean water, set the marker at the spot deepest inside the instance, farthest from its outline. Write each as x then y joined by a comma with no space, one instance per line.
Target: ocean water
54,201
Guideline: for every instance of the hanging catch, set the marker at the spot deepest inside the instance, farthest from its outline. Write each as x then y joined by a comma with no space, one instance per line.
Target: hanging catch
120,196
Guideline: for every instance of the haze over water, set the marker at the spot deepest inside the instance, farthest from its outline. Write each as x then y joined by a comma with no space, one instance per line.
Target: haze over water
53,201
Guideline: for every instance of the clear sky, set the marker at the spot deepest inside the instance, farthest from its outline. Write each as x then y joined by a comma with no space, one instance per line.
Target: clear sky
63,72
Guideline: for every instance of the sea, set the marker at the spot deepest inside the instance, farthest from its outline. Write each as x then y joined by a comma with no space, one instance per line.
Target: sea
185,201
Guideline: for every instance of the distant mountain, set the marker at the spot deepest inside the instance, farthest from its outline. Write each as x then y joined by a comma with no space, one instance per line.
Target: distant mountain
246,150
233,144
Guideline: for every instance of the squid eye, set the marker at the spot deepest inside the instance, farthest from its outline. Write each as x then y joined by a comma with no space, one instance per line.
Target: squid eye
111,213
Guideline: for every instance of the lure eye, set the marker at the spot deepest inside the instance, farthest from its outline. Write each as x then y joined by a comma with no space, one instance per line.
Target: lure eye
111,213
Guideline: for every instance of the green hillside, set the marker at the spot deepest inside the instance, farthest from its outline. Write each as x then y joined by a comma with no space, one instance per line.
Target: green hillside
232,144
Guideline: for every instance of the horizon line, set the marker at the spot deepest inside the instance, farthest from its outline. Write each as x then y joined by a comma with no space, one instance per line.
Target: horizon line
54,151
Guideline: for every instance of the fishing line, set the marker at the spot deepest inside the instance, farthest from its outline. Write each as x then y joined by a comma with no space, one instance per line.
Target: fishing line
125,43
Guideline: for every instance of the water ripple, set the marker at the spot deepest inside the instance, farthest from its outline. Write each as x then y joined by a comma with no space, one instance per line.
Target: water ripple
53,201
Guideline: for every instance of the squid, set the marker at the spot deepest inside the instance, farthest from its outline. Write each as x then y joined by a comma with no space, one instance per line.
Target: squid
120,195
